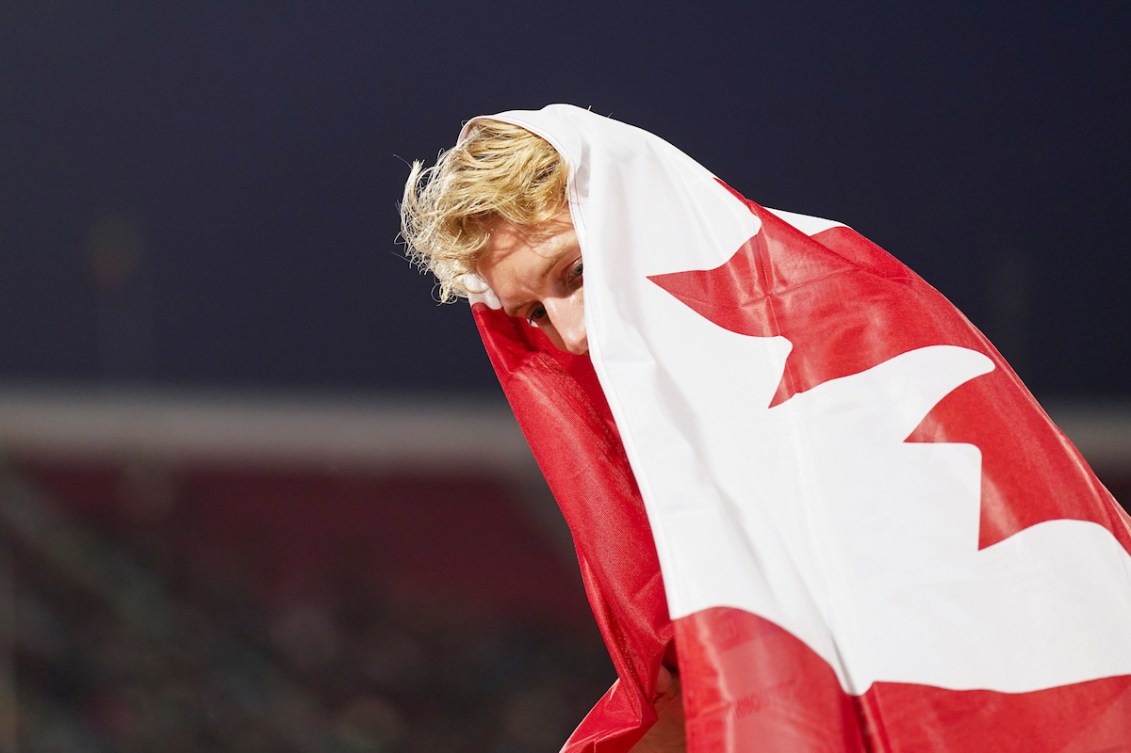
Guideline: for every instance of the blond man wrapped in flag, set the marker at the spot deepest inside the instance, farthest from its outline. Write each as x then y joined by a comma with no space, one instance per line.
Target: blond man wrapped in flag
813,507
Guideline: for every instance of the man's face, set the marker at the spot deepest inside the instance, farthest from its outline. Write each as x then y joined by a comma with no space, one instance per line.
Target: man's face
536,274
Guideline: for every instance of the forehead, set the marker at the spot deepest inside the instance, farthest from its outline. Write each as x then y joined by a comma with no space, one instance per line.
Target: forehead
506,238
527,244
517,262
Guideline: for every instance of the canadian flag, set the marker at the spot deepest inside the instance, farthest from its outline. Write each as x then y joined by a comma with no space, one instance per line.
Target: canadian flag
794,469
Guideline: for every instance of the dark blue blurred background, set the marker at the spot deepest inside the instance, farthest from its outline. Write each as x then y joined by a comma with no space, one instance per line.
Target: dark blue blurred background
203,194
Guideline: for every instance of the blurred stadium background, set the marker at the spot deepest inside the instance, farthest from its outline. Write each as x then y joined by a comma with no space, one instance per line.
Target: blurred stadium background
259,493
192,572
196,573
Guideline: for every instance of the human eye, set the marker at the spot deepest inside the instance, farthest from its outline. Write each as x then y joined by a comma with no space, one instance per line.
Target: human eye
536,315
575,271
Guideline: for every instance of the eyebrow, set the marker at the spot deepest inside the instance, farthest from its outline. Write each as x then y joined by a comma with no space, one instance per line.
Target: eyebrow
551,262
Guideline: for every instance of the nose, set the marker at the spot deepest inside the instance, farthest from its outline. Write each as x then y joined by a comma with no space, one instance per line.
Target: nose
567,314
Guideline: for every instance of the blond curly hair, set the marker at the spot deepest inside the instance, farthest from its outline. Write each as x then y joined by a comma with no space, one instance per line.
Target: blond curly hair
498,171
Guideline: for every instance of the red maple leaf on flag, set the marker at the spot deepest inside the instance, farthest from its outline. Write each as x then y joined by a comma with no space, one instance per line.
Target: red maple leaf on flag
847,305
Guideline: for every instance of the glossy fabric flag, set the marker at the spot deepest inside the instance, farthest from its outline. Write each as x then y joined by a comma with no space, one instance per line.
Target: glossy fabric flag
796,470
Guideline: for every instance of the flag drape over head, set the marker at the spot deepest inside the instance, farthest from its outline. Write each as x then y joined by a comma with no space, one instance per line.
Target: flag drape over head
792,466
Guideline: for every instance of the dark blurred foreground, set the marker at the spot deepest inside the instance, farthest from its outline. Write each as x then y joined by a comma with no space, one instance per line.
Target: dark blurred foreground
253,593
254,606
